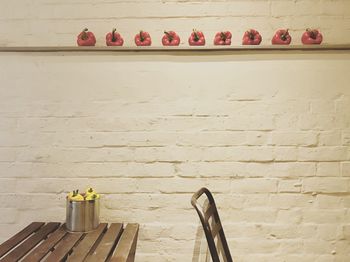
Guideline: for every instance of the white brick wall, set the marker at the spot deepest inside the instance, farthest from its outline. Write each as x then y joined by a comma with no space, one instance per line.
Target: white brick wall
57,22
269,134
149,131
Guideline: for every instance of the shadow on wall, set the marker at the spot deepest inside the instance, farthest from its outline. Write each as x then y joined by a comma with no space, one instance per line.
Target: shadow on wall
200,250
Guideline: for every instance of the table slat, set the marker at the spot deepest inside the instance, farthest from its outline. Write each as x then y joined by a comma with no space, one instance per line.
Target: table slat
107,244
20,236
126,247
44,248
31,242
84,247
64,247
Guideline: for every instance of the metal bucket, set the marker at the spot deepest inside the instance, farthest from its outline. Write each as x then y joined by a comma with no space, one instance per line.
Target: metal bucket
82,216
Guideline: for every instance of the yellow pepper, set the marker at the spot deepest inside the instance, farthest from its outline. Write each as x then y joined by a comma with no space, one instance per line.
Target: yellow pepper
92,196
90,191
75,196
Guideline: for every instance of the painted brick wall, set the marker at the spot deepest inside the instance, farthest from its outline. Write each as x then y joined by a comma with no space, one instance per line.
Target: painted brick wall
269,134
57,22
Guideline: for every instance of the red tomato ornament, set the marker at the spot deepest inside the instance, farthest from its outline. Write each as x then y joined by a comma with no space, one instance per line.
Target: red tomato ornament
170,38
86,38
114,38
223,38
281,37
251,37
143,39
312,37
196,38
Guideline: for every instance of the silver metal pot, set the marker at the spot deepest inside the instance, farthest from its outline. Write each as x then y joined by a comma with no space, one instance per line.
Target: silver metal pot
82,216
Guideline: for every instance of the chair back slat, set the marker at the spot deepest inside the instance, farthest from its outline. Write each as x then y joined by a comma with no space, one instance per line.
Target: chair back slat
209,212
216,228
213,229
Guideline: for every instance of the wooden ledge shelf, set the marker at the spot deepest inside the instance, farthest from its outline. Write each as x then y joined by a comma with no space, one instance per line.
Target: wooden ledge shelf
267,48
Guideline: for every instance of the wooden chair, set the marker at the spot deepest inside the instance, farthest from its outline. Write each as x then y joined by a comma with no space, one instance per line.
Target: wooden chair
212,229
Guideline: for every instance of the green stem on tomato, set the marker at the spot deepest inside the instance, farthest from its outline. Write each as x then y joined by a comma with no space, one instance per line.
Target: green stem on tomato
250,35
170,37
312,33
113,35
223,36
196,37
284,35
84,36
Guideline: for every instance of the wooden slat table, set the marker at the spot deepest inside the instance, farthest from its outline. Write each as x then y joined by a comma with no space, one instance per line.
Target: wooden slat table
50,242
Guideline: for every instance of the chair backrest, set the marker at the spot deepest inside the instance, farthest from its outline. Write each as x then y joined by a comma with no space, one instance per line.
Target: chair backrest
211,229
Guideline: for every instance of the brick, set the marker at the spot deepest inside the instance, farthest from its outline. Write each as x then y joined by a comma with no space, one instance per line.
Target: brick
246,154
143,200
323,247
212,169
254,169
289,216
7,154
346,231
256,138
346,201
322,106
254,185
251,215
264,244
25,201
317,121
209,139
345,169
291,246
52,185
290,201
289,186
342,105
323,216
252,123
294,169
285,154
325,185
8,185
329,138
287,123
50,214
328,169
283,8
8,215
330,7
346,138
328,232
8,124
293,138
329,202
323,154
342,249
154,231
255,200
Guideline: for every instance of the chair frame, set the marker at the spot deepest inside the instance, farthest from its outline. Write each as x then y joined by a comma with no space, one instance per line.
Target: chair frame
211,231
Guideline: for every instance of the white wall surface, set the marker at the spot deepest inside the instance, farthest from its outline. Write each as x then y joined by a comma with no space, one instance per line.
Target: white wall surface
58,22
269,134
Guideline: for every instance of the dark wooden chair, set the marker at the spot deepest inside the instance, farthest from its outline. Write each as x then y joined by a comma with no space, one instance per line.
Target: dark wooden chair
212,229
